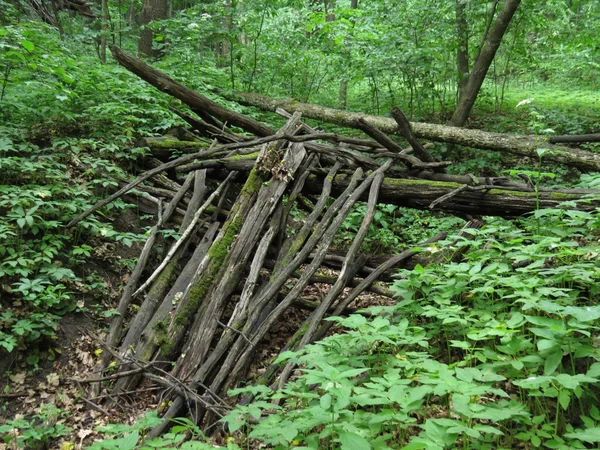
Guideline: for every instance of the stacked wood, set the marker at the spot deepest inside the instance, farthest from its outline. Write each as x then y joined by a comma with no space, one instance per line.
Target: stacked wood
235,270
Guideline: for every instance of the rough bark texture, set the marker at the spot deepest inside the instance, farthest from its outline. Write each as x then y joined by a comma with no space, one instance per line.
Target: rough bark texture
525,145
151,10
462,49
185,94
477,200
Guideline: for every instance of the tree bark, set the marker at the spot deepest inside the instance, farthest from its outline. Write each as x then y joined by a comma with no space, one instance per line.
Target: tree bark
151,10
524,145
343,91
462,50
473,200
482,63
103,31
187,95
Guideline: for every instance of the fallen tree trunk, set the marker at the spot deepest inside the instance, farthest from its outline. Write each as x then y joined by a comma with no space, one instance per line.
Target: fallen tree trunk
185,94
464,199
524,145
594,137
461,195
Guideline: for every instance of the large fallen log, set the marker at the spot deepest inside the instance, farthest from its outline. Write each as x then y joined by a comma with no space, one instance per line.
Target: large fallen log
187,95
465,199
463,195
524,145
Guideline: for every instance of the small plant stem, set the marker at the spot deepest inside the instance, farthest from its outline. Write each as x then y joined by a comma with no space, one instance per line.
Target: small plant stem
556,413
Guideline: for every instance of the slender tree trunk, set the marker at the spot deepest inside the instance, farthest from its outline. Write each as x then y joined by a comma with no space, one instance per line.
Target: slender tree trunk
462,51
483,62
103,31
151,10
343,93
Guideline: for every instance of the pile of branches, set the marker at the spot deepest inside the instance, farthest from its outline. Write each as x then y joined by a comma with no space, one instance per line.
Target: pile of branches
235,270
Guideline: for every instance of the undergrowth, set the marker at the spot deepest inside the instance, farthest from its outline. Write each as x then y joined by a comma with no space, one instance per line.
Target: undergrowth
497,351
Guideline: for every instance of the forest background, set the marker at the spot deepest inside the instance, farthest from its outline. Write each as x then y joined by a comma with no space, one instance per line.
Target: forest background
498,349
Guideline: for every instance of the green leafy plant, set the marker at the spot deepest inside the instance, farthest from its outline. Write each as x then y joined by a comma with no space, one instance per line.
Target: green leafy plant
394,228
496,351
37,432
183,435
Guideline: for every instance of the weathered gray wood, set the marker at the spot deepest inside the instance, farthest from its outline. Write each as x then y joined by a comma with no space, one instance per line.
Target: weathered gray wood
248,219
115,331
349,267
525,145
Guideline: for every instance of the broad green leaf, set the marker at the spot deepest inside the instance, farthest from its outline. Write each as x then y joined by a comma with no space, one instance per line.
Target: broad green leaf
552,362
460,402
418,444
28,45
129,442
488,429
289,433
325,401
594,370
350,373
564,398
545,345
353,441
591,435
417,396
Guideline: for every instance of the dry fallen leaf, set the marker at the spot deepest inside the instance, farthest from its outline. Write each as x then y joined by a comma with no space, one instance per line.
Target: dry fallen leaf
18,378
53,379
82,434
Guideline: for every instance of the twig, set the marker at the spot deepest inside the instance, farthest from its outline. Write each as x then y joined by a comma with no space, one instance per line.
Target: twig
133,391
409,160
186,234
371,279
170,165
224,325
112,377
405,130
448,196
15,395
91,403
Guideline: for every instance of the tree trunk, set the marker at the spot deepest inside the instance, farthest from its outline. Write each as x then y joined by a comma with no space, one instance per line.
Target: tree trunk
524,145
474,200
483,62
103,31
187,95
462,50
151,10
343,91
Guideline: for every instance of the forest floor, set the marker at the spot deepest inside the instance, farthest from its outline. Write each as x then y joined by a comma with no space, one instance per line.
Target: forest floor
63,381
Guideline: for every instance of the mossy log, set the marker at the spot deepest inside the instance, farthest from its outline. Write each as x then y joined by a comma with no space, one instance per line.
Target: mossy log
473,200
